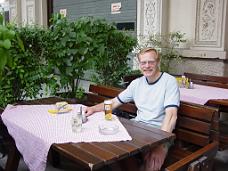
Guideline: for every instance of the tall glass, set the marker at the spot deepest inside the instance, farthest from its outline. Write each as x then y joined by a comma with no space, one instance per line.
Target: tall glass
76,122
108,109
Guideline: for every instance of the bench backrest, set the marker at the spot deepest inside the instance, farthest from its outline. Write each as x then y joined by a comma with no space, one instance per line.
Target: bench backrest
215,81
129,78
196,124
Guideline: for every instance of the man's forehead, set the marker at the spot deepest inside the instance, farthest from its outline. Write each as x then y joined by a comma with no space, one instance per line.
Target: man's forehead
150,54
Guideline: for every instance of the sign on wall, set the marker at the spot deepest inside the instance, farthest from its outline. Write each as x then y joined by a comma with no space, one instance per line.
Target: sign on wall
116,8
63,12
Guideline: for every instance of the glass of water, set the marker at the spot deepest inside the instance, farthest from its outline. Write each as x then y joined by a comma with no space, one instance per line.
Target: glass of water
76,122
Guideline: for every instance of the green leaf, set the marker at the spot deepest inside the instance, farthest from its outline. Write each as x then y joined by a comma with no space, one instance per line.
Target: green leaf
1,44
1,19
20,43
3,59
6,44
9,34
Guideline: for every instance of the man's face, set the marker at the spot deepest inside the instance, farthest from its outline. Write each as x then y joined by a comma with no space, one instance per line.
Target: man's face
149,65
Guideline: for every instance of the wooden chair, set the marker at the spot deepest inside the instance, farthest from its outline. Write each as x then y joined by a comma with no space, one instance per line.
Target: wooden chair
222,105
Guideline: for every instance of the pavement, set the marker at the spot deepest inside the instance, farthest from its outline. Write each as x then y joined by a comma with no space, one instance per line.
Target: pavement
221,164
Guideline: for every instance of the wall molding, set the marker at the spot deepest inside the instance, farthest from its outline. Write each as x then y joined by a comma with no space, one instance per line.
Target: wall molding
209,34
206,54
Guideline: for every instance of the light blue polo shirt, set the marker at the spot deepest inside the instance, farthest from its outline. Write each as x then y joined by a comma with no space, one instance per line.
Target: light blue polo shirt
152,99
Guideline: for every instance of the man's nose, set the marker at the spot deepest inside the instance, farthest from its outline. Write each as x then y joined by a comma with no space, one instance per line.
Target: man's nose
147,64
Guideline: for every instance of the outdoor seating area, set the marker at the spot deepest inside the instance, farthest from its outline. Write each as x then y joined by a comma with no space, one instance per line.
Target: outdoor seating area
201,138
100,85
195,145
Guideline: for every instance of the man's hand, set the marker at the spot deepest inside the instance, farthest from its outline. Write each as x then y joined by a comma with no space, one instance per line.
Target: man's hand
100,107
89,110
155,158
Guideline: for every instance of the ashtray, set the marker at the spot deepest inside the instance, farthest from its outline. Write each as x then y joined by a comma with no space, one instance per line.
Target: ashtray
108,128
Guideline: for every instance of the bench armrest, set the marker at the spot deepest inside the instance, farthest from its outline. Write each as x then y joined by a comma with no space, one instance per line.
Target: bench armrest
207,152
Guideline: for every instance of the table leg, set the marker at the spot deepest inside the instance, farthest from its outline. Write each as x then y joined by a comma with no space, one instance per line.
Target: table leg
54,158
13,159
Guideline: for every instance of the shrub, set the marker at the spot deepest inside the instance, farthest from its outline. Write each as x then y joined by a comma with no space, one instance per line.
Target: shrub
28,70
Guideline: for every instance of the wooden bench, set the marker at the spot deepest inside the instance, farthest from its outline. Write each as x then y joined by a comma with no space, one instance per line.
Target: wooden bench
196,137
222,105
196,132
129,78
214,81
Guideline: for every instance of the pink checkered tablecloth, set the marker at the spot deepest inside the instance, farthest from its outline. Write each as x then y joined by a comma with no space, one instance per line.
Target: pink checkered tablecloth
35,130
202,94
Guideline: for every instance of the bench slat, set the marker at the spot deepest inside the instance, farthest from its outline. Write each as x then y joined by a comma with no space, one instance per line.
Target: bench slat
194,125
196,111
104,90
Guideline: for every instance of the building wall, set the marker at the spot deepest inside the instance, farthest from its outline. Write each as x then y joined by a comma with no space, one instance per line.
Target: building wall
212,61
210,57
99,8
182,18
199,65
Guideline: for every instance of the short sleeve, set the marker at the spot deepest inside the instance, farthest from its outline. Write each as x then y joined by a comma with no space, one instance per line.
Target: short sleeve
128,94
172,94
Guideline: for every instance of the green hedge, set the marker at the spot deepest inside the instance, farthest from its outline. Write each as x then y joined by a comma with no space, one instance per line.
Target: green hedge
58,55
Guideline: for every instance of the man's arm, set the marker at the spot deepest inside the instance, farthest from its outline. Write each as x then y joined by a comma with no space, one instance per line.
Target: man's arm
169,121
100,107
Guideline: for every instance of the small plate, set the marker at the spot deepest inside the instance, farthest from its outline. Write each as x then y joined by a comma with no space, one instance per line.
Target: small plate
108,128
55,111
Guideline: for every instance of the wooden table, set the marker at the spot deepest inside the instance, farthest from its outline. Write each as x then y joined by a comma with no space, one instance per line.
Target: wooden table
96,155
202,94
93,156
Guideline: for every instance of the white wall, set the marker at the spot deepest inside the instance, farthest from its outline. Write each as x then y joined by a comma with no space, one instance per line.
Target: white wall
182,15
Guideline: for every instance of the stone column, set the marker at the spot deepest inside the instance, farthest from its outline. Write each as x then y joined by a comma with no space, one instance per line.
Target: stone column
28,12
15,11
151,19
151,16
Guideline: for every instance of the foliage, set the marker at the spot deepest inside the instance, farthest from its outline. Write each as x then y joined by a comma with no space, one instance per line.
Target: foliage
28,70
111,62
6,36
80,93
58,55
88,43
167,44
70,51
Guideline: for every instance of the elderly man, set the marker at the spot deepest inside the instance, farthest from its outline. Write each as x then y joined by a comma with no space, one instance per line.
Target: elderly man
156,95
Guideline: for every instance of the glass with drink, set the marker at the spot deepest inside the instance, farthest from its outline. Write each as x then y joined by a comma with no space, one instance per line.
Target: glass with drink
108,109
